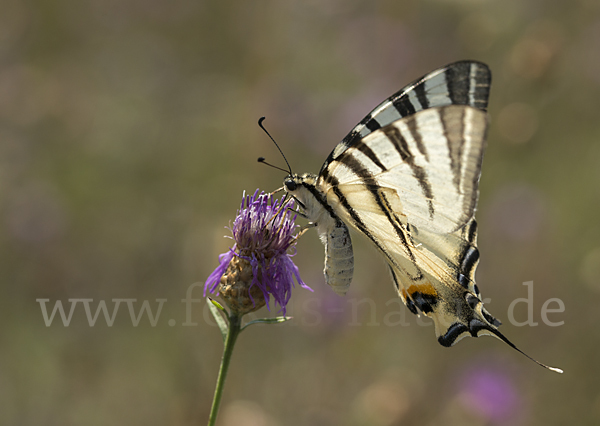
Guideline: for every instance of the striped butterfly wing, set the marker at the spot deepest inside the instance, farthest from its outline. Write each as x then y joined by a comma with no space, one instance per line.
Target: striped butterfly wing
459,83
428,164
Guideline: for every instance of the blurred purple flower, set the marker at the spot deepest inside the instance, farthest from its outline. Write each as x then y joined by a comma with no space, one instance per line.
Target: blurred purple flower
263,232
491,393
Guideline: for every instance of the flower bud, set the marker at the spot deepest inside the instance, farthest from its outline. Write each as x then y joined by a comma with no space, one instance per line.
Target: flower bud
236,288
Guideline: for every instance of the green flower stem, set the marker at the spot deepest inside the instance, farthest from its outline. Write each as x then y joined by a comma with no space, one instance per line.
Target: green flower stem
233,331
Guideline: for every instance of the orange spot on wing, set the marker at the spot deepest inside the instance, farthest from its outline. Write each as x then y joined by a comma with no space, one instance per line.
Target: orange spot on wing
425,288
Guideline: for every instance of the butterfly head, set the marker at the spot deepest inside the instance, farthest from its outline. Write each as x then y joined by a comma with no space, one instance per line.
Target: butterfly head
294,182
291,183
302,188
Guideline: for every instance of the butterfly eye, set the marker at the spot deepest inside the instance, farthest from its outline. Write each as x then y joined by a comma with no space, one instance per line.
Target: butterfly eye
290,185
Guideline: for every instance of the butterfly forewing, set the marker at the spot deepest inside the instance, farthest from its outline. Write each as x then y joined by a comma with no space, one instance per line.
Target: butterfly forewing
459,83
428,164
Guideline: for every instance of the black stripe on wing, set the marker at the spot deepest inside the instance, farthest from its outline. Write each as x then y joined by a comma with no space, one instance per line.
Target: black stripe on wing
399,142
379,198
362,172
455,148
459,83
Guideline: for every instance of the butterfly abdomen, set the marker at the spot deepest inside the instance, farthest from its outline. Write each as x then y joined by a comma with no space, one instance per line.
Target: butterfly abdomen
339,258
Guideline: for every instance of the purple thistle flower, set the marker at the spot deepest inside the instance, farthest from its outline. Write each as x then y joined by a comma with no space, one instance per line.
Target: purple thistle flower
263,232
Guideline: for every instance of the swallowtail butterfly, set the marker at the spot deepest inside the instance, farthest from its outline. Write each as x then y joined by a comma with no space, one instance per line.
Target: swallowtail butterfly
406,177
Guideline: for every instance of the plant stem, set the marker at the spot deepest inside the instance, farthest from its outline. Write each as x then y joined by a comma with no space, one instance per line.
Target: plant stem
232,333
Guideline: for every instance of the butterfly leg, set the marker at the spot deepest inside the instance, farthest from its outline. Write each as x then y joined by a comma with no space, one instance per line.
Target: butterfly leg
309,225
301,214
306,227
276,191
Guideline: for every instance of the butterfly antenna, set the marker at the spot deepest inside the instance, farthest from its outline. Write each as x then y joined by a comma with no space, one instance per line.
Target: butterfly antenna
262,160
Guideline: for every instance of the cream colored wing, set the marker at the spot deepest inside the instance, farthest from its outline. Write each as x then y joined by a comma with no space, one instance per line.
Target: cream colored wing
430,162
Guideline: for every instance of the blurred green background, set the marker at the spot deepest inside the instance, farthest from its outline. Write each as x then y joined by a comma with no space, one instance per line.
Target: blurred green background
128,134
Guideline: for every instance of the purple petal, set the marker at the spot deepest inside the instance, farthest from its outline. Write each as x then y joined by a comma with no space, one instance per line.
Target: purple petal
213,280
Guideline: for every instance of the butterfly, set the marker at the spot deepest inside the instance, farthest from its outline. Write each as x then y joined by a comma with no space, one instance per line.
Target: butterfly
406,178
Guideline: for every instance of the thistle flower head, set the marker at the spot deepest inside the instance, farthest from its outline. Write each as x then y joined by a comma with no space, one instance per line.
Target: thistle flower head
259,265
